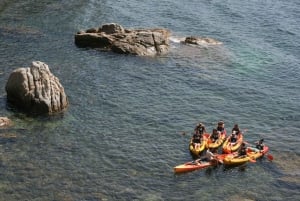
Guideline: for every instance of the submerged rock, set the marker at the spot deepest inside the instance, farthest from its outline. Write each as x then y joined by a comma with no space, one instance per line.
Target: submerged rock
36,90
142,42
194,40
5,122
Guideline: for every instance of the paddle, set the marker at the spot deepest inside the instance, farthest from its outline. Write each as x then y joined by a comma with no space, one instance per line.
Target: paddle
270,157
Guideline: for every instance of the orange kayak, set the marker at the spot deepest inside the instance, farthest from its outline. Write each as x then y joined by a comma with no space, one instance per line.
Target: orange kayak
193,165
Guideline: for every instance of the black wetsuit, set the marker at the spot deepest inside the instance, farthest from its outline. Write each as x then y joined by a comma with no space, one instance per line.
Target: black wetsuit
260,146
220,128
201,129
233,138
243,151
196,138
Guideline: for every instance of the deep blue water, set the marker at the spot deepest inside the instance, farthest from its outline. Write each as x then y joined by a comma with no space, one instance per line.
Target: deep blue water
121,136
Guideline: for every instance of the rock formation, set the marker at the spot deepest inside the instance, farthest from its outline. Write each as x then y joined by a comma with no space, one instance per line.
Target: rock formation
142,42
36,90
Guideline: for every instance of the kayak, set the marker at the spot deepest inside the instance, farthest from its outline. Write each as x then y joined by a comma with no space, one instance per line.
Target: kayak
217,143
255,153
197,150
193,165
233,160
229,147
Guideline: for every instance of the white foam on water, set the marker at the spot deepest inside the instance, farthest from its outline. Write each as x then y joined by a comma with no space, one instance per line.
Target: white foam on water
175,39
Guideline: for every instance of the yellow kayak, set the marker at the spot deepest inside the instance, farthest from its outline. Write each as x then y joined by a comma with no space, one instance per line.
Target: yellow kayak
212,145
235,160
255,153
196,150
229,147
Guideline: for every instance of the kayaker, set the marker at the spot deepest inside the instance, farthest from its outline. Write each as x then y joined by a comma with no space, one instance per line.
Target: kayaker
209,156
236,129
233,137
260,144
221,126
215,135
200,128
197,139
242,150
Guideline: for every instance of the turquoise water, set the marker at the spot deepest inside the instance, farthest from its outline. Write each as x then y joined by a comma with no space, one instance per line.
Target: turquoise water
122,134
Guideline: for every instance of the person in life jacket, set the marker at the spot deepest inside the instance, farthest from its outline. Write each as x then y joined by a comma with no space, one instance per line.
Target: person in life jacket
200,128
197,139
221,126
236,129
260,144
233,137
209,156
215,135
242,150
235,132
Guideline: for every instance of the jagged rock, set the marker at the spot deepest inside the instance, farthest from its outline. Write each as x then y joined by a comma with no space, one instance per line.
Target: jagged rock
5,122
36,90
114,37
201,41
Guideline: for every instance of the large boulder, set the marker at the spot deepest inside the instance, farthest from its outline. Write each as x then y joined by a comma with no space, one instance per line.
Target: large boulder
36,90
142,42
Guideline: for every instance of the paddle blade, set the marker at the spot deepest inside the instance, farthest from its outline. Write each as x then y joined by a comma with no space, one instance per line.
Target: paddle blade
252,160
270,157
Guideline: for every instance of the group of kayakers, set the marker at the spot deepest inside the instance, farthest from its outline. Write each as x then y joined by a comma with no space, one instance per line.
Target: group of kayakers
200,134
205,148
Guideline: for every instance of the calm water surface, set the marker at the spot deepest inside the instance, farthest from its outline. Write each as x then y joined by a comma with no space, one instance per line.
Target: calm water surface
122,134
